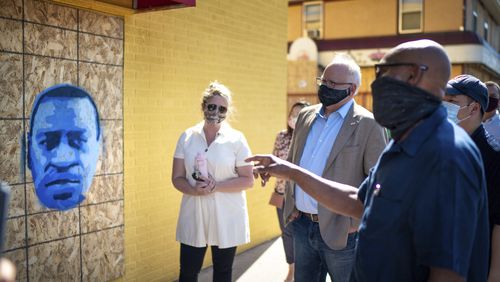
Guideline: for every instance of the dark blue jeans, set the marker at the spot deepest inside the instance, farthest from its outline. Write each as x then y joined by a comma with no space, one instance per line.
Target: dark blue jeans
287,237
313,256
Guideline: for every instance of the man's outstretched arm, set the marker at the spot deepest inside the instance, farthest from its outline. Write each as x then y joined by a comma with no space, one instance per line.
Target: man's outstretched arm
337,197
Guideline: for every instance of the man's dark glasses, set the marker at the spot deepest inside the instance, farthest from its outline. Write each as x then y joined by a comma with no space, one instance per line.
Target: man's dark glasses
380,67
213,107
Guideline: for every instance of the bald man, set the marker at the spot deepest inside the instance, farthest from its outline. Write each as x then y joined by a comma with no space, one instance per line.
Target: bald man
423,209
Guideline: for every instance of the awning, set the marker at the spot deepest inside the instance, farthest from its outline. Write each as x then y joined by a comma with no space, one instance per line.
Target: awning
162,4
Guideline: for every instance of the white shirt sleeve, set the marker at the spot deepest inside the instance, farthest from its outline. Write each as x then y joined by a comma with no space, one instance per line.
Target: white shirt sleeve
243,152
179,149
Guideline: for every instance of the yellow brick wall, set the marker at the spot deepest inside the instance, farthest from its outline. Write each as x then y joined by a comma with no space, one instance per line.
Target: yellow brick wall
170,57
360,18
443,15
294,22
368,18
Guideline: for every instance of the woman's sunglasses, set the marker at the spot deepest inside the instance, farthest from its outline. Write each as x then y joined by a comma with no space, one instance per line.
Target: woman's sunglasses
213,107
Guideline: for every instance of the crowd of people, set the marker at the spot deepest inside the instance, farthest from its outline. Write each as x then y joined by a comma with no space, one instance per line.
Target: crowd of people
408,193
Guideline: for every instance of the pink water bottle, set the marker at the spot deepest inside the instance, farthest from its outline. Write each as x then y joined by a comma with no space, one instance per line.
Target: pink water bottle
201,164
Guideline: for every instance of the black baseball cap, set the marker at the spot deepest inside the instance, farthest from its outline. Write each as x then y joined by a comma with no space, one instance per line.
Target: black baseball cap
469,85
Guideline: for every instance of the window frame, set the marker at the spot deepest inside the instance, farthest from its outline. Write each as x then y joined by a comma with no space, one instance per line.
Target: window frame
486,30
400,19
474,21
321,24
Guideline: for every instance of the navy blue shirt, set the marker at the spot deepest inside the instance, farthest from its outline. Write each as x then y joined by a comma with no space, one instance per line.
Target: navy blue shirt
425,206
491,162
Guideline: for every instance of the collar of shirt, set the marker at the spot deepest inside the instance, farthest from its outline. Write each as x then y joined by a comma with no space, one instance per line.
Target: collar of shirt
495,117
420,133
481,134
320,113
478,132
223,130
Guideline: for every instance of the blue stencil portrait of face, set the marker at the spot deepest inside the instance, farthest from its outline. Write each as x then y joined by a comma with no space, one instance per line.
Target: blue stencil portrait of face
63,145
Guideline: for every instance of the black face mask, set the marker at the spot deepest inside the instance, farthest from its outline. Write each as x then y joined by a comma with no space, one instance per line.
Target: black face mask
398,105
492,104
328,96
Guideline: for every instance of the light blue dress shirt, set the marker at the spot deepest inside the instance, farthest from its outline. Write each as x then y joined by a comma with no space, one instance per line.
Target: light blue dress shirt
317,149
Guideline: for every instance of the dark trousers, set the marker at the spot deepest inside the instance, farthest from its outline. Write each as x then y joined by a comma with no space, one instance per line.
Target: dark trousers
313,257
287,236
192,261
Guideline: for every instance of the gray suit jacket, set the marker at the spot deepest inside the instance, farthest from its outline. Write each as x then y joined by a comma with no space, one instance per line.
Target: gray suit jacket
357,148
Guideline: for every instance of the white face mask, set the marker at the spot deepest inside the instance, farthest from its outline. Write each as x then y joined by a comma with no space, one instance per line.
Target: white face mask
452,110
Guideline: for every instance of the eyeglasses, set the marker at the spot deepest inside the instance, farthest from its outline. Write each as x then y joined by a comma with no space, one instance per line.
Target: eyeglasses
379,67
213,107
330,83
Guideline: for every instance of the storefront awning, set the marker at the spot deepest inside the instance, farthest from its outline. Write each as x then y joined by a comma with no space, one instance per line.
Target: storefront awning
162,4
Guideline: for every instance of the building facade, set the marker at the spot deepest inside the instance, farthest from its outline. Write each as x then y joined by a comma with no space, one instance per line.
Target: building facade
146,70
367,29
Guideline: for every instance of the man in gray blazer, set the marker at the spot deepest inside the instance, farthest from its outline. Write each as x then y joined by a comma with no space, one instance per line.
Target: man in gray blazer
338,140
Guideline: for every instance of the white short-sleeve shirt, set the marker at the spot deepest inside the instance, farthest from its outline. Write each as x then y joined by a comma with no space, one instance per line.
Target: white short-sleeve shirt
218,219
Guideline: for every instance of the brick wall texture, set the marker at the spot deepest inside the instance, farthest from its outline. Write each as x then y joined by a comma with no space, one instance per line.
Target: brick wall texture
170,56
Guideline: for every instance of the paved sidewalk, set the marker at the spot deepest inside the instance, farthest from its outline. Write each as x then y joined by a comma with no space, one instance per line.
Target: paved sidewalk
263,263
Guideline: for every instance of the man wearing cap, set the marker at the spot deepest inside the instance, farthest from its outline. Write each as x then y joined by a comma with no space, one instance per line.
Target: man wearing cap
491,119
466,100
423,209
